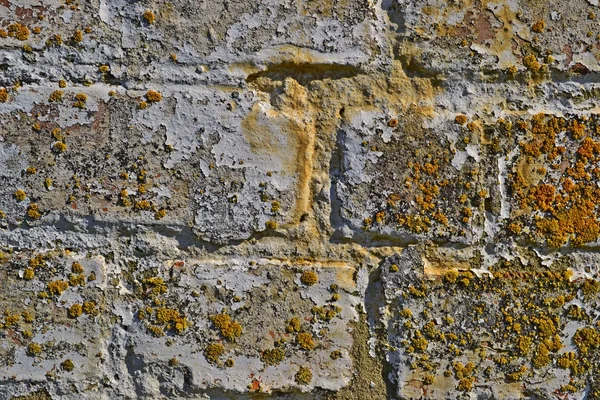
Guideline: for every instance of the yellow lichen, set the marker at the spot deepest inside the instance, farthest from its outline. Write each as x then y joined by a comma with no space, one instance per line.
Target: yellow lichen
57,287
33,211
89,307
293,325
160,214
309,278
78,36
305,341
20,195
76,268
143,205
531,63
28,274
67,365
34,349
56,96
213,351
60,147
75,311
273,356
229,329
304,376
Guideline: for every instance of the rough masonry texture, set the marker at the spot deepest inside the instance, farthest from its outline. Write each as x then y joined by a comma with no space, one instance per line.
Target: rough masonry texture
299,199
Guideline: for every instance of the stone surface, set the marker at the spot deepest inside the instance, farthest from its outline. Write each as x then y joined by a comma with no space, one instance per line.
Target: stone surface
299,199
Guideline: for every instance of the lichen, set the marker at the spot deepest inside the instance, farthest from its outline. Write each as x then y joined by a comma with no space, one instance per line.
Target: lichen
153,96
309,278
20,195
57,287
149,16
305,341
304,376
273,356
67,365
34,349
229,329
75,311
213,351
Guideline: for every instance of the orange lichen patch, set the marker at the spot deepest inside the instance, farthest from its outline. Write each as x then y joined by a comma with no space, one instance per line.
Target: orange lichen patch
589,148
18,31
539,26
149,16
515,227
577,129
543,196
460,119
3,95
561,209
153,96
